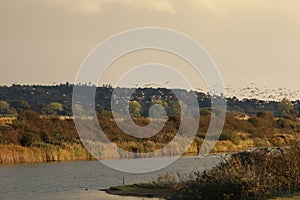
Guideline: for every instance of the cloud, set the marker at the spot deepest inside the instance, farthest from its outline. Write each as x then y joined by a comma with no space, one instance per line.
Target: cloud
90,7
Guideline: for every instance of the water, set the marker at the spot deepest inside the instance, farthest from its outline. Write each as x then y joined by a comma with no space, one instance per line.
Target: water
79,180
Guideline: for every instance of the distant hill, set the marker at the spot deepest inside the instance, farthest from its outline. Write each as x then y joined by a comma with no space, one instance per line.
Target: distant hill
57,99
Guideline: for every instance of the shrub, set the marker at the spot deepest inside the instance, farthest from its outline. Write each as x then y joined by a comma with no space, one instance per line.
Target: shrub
232,136
29,139
166,178
261,174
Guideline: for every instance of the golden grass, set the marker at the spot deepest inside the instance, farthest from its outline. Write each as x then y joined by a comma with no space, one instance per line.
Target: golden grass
43,153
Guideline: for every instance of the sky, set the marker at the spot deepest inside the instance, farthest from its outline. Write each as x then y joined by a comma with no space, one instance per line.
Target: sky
251,41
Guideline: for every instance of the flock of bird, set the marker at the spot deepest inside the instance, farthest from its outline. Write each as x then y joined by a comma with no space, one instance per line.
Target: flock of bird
252,92
248,92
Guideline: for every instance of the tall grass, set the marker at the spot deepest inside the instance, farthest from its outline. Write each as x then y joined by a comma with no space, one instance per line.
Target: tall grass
42,153
261,174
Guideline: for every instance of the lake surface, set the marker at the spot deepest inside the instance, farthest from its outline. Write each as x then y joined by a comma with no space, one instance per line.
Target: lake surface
80,180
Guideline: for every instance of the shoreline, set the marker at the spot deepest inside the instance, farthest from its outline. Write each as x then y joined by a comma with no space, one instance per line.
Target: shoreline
139,192
108,196
44,152
90,160
157,194
232,176
108,159
16,154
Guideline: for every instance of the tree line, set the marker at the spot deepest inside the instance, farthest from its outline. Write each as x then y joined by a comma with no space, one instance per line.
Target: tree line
57,100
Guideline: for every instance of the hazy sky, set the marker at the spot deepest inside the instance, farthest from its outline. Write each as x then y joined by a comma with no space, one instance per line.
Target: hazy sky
251,41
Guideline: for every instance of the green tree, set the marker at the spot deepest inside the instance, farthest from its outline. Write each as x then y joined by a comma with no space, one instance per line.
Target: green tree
78,109
184,108
104,113
286,108
173,108
56,106
135,108
5,109
20,105
160,110
160,102
52,108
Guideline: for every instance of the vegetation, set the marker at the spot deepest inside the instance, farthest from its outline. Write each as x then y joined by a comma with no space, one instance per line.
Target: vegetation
57,99
36,116
42,153
35,126
31,130
261,174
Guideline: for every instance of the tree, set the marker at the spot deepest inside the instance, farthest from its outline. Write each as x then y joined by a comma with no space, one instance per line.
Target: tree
52,108
104,113
78,109
20,105
56,106
286,107
5,109
173,108
135,108
159,108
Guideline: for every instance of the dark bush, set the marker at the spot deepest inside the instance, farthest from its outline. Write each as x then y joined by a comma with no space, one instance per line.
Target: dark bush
28,139
261,174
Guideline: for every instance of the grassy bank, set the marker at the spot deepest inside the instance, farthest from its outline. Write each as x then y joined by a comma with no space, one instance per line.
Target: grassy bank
261,174
288,197
42,153
142,190
45,152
